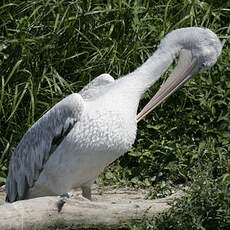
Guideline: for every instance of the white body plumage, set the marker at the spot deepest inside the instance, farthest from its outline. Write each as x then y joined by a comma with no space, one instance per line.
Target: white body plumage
99,137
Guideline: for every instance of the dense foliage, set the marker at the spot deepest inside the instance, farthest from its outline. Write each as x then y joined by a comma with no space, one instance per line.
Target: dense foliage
49,49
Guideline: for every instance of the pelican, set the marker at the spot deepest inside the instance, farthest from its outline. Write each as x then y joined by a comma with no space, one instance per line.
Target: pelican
71,144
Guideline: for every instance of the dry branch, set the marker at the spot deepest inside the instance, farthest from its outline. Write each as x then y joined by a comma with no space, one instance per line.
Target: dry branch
111,210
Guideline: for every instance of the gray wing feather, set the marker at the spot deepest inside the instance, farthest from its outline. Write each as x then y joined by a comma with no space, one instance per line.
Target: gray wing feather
39,142
95,87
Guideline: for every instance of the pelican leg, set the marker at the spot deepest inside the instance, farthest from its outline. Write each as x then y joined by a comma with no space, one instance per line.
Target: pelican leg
60,204
62,201
86,192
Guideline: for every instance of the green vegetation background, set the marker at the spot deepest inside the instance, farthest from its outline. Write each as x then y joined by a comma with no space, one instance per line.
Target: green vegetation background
49,49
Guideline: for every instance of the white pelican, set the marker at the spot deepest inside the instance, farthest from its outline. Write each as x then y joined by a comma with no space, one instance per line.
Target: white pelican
71,144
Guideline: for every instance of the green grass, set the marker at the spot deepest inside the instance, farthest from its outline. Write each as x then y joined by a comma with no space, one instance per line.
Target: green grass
49,49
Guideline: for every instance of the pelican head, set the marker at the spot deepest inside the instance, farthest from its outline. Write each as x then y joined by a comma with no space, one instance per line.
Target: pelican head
198,50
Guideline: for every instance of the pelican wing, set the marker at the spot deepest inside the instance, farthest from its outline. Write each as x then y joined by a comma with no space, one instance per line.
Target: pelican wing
96,86
39,142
